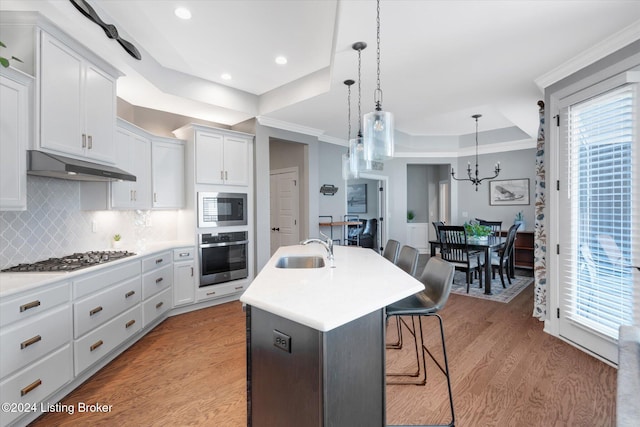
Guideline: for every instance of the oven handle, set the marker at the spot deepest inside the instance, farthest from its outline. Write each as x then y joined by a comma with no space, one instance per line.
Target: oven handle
214,245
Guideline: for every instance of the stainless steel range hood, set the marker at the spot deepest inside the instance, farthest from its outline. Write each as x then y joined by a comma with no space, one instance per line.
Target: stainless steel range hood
56,166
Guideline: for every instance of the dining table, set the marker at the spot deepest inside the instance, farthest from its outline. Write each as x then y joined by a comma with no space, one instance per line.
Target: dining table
487,245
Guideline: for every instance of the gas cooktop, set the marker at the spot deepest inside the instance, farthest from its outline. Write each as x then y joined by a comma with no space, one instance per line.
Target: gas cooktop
70,262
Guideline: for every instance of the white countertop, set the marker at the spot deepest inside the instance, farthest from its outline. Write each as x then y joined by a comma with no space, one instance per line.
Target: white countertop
325,298
11,283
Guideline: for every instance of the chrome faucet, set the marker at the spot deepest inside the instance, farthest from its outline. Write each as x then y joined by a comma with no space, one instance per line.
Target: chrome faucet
327,243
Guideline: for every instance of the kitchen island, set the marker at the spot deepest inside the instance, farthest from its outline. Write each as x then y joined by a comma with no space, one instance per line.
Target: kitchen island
315,337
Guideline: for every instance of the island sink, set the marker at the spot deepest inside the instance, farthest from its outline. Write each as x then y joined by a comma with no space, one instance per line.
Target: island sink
300,262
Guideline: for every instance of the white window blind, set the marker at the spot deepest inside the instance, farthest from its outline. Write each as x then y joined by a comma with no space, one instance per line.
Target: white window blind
602,133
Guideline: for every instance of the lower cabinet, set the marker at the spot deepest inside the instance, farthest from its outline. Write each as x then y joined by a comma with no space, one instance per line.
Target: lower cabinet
98,343
184,281
32,385
223,290
156,306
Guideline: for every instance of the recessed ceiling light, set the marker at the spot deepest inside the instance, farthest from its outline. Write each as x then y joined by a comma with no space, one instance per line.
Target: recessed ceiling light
182,13
225,76
281,60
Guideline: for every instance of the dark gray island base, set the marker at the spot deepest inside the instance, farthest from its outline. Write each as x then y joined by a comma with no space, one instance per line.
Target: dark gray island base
299,376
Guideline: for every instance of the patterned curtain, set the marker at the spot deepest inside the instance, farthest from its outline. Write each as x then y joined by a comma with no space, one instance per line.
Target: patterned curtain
540,250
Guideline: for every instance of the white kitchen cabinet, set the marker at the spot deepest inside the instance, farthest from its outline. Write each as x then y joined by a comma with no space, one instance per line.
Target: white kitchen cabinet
133,155
184,282
221,157
77,103
235,287
15,133
155,307
167,171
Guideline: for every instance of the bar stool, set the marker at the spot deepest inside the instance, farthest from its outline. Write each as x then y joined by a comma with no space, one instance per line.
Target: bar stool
437,278
407,261
391,250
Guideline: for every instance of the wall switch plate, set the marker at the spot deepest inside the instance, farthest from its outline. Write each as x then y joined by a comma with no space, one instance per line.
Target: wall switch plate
282,341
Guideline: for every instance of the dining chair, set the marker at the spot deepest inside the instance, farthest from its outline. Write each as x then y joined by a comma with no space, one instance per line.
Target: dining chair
500,259
407,261
455,249
391,250
496,226
437,278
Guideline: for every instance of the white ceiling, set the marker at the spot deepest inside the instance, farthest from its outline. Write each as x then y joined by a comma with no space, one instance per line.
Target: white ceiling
442,61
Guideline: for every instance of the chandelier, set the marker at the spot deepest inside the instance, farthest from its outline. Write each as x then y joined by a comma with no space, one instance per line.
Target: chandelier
378,124
474,179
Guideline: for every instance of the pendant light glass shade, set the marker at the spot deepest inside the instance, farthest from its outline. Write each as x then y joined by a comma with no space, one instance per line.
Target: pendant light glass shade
378,136
347,174
356,156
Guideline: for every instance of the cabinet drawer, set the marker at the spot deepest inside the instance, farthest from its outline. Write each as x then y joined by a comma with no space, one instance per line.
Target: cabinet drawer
28,305
94,282
157,280
183,254
95,310
156,261
27,341
219,291
37,382
156,306
98,343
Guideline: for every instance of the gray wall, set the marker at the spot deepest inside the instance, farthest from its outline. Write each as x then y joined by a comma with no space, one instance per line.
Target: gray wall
514,165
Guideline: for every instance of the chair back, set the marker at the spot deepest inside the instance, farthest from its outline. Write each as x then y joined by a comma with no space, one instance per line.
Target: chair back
496,226
453,243
511,239
408,259
391,250
436,225
437,278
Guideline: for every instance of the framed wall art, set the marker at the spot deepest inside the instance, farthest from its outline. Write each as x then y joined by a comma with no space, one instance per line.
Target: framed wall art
357,198
509,192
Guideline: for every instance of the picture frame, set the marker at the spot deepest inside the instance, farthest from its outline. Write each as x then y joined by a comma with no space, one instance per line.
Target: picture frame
357,198
509,192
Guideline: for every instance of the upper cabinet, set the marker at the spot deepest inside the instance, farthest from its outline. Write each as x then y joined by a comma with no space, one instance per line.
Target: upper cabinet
221,156
15,125
77,103
133,154
167,172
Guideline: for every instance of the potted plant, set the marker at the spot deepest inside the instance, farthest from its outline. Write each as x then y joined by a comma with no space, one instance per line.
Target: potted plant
116,242
5,61
410,216
477,231
519,220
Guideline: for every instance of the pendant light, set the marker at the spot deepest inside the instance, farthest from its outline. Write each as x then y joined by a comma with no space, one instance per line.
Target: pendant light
346,162
378,124
474,179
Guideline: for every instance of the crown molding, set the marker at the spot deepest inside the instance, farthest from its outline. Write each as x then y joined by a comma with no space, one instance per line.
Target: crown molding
600,50
501,147
292,127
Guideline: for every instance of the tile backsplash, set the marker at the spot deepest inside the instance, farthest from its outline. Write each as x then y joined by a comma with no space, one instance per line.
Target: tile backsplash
53,225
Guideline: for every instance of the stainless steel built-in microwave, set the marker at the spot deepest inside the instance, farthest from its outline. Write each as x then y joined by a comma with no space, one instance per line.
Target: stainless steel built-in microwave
221,209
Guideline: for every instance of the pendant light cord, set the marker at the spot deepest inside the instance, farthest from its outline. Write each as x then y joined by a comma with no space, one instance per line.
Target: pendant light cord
377,97
359,92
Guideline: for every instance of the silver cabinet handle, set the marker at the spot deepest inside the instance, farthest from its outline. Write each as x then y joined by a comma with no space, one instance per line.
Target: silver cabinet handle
159,260
160,304
130,323
90,139
184,254
222,175
84,140
159,279
155,197
226,175
96,310
129,294
191,271
131,195
96,345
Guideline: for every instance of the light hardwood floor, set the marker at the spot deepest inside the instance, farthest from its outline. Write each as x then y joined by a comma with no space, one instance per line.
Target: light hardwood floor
505,371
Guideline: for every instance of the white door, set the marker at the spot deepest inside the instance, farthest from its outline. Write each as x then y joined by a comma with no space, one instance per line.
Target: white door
284,206
598,199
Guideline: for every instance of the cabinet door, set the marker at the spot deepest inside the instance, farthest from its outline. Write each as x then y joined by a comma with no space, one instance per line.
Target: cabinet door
141,168
122,192
209,158
60,98
184,290
99,114
236,161
167,171
14,122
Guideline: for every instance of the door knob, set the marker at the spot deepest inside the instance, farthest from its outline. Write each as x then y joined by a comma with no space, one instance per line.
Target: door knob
278,229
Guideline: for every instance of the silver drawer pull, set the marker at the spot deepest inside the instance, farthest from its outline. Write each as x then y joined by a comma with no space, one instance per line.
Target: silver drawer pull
159,279
239,287
30,341
183,254
160,304
129,294
159,260
98,309
27,306
211,293
96,345
130,323
30,387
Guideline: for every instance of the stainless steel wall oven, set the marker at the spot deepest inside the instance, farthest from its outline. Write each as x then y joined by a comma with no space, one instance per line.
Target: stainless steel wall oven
223,257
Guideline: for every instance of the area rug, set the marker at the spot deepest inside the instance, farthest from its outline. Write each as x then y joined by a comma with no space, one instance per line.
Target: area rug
500,294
